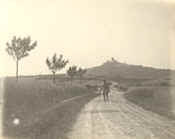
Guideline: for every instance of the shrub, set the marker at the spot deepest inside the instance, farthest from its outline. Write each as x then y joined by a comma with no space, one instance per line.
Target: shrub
144,92
123,88
92,87
164,83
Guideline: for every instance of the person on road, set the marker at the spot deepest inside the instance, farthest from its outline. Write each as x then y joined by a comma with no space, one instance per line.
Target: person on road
106,90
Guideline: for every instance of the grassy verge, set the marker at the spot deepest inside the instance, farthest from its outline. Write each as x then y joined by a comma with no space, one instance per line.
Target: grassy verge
156,99
30,97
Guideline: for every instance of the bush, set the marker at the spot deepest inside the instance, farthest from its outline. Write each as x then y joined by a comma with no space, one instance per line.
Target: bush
164,83
92,87
123,88
144,92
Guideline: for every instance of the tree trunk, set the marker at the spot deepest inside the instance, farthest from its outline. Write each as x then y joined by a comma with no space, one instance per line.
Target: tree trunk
17,61
71,80
80,79
53,77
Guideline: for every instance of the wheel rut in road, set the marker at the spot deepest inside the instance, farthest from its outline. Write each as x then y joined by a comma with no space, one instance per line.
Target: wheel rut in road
121,119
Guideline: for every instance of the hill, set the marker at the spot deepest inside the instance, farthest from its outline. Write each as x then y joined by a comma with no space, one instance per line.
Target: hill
130,74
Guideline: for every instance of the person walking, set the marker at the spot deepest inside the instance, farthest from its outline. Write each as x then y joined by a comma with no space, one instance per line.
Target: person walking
106,90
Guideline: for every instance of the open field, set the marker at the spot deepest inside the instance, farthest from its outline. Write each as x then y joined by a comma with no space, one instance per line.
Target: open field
157,99
31,99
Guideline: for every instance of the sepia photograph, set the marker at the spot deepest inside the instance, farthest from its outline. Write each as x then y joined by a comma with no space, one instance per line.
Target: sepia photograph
87,69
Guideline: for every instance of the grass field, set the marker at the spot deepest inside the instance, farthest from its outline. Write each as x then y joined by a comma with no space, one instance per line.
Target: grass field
27,98
158,99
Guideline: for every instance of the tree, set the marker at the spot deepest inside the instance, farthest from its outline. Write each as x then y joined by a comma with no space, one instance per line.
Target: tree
72,72
19,48
113,60
56,64
80,73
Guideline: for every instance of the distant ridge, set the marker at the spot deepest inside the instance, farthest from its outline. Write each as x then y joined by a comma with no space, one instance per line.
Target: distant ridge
122,72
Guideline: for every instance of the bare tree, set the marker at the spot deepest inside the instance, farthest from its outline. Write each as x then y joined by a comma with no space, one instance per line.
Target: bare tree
72,72
81,73
19,48
56,64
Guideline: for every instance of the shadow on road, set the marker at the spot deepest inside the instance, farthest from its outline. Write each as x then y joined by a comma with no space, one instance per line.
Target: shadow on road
53,125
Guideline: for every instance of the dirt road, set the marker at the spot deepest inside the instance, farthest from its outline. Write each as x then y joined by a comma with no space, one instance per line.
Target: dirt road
120,119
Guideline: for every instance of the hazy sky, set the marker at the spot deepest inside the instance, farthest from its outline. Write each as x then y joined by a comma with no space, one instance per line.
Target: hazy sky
89,32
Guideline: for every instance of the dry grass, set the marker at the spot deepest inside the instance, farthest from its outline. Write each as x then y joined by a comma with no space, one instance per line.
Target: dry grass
156,99
29,97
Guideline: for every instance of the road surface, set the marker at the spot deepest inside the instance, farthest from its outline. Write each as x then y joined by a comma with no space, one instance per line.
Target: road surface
120,119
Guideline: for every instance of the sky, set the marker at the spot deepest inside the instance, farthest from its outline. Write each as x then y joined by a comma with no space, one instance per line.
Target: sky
89,32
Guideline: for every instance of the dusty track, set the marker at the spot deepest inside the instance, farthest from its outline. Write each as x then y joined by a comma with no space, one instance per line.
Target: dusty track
120,119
